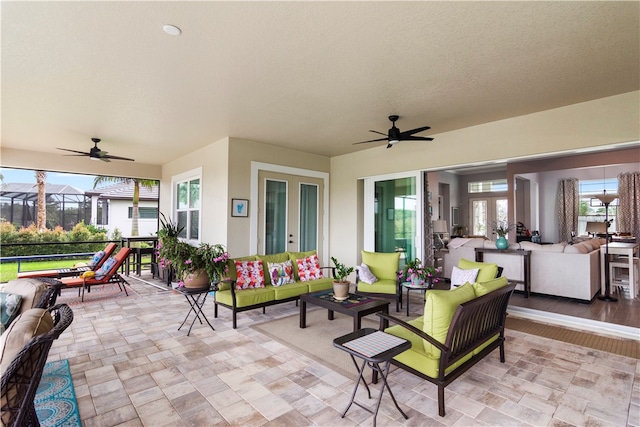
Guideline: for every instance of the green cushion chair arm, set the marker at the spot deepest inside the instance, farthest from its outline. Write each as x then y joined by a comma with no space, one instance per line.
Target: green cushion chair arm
421,334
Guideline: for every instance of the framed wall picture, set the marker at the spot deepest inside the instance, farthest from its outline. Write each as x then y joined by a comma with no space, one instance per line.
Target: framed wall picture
240,207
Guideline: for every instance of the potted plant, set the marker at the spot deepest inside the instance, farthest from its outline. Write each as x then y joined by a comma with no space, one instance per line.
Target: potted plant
194,266
501,228
341,284
418,274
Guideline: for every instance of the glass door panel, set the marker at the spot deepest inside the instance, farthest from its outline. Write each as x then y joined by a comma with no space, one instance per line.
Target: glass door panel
396,217
485,212
275,216
308,217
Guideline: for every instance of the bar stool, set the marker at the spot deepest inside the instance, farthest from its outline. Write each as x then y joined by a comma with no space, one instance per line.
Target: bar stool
617,269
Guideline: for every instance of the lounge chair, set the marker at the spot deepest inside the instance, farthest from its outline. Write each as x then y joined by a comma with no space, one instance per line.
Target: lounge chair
96,262
102,276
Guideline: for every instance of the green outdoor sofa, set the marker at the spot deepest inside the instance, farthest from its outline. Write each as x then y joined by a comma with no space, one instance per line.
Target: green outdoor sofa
458,329
238,300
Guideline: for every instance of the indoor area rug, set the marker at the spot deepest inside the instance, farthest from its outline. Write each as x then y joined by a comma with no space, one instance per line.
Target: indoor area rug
55,400
99,293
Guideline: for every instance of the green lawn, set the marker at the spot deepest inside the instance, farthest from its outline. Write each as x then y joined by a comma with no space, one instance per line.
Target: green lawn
9,270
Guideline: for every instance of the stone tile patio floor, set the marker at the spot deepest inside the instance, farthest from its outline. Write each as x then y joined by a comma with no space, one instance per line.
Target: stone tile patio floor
132,367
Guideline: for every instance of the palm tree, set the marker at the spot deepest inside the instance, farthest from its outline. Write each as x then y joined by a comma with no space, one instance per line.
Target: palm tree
41,180
137,183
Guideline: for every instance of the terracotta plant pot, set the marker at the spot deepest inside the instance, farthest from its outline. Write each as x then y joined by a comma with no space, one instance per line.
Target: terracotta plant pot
341,290
196,280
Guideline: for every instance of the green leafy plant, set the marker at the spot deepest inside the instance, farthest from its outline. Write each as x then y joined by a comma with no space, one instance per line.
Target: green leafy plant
341,271
502,228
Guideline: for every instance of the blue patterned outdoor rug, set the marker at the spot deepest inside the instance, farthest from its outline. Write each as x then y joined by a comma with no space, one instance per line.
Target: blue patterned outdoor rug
55,400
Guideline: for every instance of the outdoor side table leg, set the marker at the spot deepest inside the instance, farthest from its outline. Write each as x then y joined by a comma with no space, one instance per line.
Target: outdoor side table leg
355,388
408,301
386,384
196,307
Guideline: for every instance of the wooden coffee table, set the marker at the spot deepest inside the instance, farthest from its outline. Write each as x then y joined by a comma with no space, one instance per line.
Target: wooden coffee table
356,306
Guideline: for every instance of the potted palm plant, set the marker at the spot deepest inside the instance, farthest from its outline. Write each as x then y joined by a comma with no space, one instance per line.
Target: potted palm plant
341,284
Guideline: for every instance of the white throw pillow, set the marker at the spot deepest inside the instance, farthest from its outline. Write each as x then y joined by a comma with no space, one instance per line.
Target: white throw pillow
366,275
460,276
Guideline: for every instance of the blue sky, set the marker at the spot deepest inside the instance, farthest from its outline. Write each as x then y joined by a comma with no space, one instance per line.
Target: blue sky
81,182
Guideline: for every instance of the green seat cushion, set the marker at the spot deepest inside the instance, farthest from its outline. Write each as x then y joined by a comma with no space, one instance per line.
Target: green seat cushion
294,256
231,266
483,288
427,363
290,290
247,297
486,270
273,258
319,284
439,308
382,286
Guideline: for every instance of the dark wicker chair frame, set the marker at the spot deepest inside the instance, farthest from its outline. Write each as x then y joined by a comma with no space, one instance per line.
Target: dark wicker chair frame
49,297
20,382
473,323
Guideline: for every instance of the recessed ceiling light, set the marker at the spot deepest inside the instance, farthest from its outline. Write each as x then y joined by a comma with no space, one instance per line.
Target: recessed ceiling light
172,30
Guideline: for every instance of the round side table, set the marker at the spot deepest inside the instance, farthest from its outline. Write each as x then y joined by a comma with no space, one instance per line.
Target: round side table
411,287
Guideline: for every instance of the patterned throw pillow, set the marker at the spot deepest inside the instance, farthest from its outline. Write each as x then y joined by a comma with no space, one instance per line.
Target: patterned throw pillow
105,268
309,268
460,276
281,273
97,257
10,307
250,274
365,274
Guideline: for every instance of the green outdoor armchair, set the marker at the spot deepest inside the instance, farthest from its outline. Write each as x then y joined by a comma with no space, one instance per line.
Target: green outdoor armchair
381,279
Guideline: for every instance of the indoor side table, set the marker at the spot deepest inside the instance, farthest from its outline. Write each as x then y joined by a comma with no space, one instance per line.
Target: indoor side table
373,347
196,298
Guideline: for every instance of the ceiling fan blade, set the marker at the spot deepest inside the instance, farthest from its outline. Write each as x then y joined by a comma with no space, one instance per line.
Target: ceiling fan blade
372,140
105,157
74,151
375,131
412,131
416,138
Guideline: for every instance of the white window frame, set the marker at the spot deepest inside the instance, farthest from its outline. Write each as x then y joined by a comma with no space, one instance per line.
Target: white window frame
185,177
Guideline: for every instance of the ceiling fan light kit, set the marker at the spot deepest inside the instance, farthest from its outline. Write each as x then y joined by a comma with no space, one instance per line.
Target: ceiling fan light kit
95,153
394,135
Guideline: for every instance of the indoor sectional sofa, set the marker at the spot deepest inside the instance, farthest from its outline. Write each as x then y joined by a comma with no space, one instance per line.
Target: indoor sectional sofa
238,295
560,269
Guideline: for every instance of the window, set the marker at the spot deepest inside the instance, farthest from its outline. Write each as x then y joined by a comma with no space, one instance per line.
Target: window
591,210
186,203
491,186
144,213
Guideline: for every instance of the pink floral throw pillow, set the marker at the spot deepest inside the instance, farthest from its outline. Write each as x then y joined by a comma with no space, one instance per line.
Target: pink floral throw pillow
250,274
309,268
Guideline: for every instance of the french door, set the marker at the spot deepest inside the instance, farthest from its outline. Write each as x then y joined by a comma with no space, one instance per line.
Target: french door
486,211
290,212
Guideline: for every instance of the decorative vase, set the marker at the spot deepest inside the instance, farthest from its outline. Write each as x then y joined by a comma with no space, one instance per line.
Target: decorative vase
196,280
341,290
502,243
416,281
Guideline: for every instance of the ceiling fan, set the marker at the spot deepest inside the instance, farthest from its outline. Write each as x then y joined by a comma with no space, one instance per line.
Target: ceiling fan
95,153
394,135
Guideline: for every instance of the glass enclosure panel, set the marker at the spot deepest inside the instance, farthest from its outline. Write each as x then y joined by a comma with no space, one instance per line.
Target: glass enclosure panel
182,196
395,213
479,217
275,217
182,222
194,232
308,217
194,194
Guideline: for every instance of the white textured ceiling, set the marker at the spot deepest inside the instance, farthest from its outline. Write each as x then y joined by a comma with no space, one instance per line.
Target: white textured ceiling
313,76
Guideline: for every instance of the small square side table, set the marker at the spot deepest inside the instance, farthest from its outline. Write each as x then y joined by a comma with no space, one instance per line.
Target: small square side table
373,347
196,298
